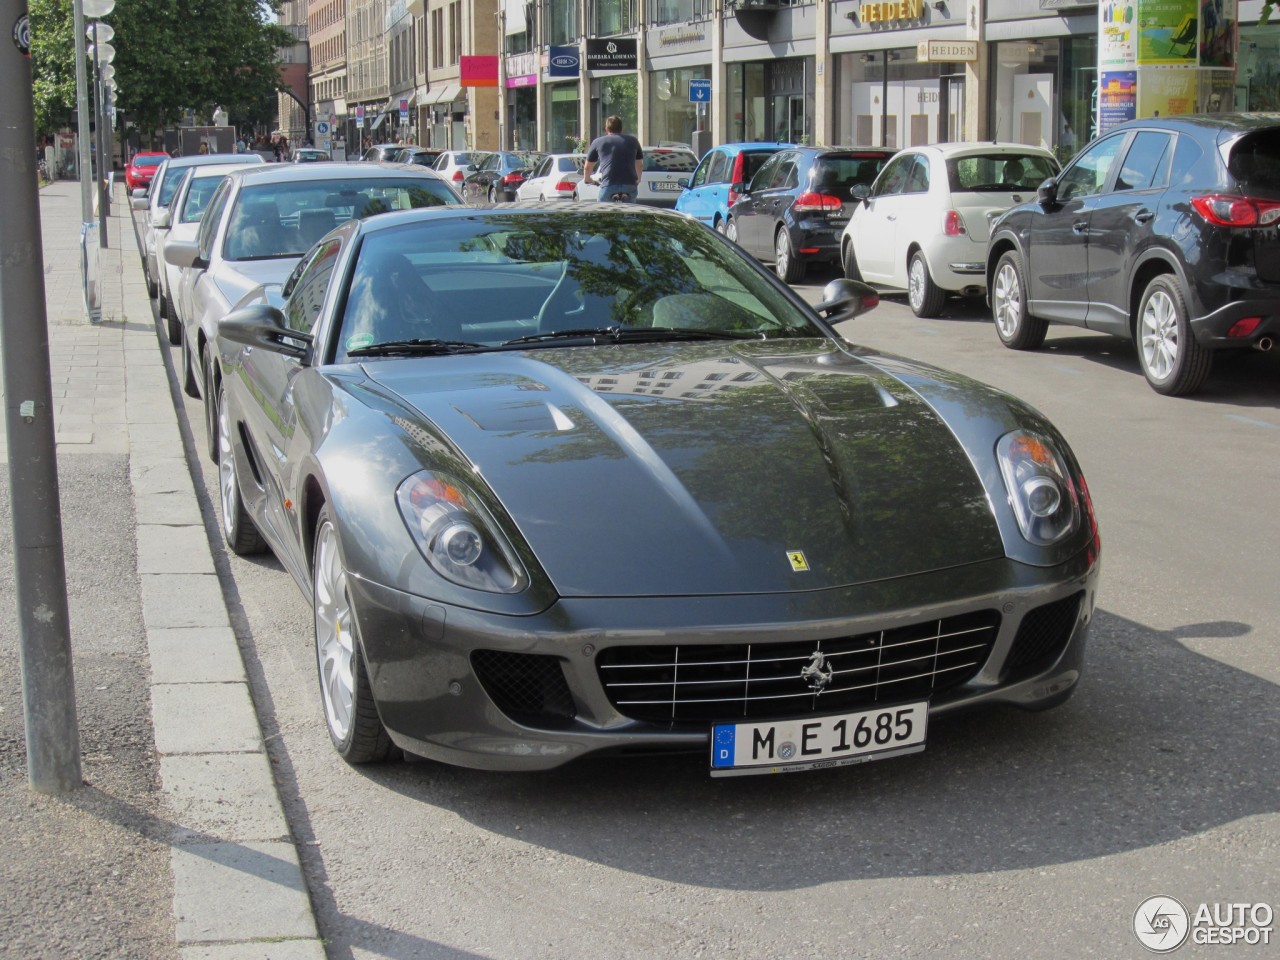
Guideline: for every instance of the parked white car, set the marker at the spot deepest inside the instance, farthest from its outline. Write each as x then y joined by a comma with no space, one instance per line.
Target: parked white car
660,183
454,165
257,226
555,178
922,226
181,220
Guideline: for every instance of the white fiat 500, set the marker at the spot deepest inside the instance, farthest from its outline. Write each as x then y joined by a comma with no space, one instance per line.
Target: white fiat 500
922,226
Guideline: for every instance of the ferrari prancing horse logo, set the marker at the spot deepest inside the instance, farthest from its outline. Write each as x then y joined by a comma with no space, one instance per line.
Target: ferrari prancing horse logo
798,562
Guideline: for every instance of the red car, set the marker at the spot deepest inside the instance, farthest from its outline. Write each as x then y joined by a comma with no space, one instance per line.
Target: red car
142,168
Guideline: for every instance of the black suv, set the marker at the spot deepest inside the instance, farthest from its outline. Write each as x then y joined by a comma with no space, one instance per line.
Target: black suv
1164,231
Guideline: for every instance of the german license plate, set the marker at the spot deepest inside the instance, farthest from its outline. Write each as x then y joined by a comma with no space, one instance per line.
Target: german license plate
810,743
659,185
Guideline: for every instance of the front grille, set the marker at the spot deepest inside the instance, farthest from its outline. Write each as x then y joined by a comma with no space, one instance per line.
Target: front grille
1042,637
527,687
770,680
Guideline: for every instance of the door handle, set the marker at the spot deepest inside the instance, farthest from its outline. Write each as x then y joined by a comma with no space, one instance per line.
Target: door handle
1080,226
1143,215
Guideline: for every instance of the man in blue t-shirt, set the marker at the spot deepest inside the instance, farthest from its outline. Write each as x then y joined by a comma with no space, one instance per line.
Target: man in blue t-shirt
620,162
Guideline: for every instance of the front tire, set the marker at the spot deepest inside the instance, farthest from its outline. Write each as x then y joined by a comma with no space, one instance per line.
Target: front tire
925,297
350,714
1173,361
721,226
493,197
1017,329
785,264
731,229
238,529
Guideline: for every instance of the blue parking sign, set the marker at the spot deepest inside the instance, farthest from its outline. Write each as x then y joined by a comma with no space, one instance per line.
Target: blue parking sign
699,91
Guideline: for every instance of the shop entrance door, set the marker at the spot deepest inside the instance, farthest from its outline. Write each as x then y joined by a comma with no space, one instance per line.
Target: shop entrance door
787,113
952,107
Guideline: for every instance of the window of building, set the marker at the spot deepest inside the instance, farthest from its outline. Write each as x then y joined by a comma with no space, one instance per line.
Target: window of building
614,17
679,11
561,19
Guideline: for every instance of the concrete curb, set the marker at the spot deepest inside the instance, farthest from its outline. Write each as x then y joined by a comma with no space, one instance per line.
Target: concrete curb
239,891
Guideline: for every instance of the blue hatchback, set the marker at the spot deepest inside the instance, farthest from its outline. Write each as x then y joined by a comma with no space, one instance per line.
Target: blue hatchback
709,194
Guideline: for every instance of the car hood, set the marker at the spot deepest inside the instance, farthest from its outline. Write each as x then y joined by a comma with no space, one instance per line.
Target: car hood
707,468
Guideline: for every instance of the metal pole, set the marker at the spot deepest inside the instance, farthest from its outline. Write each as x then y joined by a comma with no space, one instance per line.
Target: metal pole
104,151
82,113
48,686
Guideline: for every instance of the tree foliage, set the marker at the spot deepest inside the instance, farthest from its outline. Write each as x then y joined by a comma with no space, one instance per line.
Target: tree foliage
171,56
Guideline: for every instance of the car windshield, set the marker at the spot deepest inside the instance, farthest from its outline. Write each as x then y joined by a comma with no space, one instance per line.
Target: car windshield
837,175
560,279
284,219
999,172
661,160
198,195
150,161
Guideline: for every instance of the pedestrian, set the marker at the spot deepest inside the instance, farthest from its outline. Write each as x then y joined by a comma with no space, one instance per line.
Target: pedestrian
620,161
204,148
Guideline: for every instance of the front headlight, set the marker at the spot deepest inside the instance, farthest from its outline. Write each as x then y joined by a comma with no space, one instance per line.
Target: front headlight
1044,498
456,534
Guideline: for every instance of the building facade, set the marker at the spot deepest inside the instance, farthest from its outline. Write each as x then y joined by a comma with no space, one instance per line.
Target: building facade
294,107
327,41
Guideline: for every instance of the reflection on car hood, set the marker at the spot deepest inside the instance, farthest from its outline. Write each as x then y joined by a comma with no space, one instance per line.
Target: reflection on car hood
708,468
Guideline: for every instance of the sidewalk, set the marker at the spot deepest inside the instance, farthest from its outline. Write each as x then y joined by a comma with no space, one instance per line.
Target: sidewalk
237,888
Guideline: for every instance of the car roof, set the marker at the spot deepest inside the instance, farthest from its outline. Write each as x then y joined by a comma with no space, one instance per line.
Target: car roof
1228,123
969,149
292,173
201,159
218,169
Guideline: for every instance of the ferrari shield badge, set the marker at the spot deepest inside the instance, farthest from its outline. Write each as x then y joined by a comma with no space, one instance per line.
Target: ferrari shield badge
798,562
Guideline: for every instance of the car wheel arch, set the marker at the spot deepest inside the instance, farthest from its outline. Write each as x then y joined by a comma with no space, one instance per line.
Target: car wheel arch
1144,271
998,248
314,499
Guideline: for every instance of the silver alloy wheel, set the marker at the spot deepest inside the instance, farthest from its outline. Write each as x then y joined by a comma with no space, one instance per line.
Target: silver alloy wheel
335,634
916,279
722,226
781,253
228,483
1159,335
1006,300
731,229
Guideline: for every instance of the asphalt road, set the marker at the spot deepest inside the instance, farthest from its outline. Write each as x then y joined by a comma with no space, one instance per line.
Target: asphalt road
1013,834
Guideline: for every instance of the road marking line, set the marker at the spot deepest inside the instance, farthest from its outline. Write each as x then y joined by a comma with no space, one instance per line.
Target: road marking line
1250,421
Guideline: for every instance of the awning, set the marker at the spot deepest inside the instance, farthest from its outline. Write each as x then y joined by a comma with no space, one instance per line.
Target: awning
446,94
378,121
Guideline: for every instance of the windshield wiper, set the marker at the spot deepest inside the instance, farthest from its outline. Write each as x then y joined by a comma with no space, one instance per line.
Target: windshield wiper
634,335
417,347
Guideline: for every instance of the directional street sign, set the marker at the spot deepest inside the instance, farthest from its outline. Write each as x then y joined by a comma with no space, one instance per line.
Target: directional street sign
699,91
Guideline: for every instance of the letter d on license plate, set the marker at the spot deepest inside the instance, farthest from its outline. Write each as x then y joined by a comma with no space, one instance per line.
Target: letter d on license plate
784,746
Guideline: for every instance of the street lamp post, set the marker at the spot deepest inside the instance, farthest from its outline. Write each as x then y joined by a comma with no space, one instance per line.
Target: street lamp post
88,269
101,52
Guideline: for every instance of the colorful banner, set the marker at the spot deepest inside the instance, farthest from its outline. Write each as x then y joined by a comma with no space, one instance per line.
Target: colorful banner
1117,98
479,71
1167,32
1217,91
1218,24
1117,33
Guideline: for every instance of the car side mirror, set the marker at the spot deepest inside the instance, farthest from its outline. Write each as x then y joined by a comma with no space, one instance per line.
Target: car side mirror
683,183
1047,193
162,219
741,188
860,191
139,201
182,253
472,168
262,325
844,299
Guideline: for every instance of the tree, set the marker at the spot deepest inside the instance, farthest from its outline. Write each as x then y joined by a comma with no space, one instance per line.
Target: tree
171,57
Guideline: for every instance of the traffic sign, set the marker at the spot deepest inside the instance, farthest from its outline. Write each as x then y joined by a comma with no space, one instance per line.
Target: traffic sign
322,128
699,91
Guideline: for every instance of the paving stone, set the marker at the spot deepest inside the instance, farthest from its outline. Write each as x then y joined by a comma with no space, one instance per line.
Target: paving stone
231,891
204,718
195,655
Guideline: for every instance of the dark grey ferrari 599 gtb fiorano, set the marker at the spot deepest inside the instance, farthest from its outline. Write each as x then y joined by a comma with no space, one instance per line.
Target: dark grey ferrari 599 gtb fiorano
563,480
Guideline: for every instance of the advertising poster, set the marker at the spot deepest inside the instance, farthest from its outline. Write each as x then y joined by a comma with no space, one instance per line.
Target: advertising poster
1217,91
1167,31
1117,33
1218,20
1167,91
1117,98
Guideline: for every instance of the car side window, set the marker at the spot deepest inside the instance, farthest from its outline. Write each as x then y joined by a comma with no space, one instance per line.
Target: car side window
1088,174
209,222
893,178
764,176
786,176
700,175
720,168
918,176
1186,154
1146,165
306,296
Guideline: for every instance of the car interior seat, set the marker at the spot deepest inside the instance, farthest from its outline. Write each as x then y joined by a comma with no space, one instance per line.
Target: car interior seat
255,232
314,224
